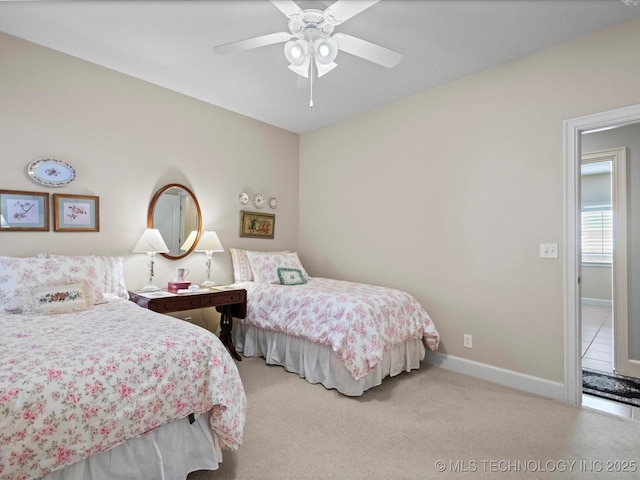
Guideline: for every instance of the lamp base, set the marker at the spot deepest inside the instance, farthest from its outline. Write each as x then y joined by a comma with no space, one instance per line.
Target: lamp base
150,288
208,284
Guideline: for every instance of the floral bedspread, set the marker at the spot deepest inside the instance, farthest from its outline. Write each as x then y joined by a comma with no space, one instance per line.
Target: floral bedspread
359,322
72,385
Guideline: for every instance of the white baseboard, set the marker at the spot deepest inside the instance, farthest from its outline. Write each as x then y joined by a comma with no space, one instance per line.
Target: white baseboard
508,378
597,302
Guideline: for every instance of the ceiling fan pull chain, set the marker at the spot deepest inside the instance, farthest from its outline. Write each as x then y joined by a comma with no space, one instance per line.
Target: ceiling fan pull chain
311,83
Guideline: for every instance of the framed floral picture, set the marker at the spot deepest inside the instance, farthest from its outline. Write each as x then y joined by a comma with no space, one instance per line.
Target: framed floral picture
76,213
24,211
257,225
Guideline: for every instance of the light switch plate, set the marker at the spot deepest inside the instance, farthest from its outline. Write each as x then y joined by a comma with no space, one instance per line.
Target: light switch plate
548,250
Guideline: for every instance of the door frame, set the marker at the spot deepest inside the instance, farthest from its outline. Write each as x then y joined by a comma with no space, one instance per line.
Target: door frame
573,130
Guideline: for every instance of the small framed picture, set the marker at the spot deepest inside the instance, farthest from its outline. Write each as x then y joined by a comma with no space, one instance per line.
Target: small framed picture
76,213
257,225
24,211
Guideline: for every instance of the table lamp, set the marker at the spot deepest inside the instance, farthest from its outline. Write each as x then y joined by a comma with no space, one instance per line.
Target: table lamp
208,243
151,242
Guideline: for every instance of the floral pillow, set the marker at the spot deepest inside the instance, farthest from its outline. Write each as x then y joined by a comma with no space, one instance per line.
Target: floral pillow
265,265
52,299
111,273
17,274
241,267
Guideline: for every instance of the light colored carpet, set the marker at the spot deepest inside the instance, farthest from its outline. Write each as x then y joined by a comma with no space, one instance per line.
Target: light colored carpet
430,423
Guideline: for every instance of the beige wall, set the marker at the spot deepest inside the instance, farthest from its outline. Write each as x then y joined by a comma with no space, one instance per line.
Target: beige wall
595,279
596,284
446,194
127,138
449,193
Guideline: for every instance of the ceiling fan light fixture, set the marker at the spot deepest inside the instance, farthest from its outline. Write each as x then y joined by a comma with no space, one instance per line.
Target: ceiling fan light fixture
322,68
303,68
326,50
296,51
311,43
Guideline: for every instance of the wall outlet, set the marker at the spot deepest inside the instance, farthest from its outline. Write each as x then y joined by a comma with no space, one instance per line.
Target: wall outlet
468,341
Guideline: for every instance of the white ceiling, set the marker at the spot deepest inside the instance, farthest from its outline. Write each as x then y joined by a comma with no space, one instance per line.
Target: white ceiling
168,43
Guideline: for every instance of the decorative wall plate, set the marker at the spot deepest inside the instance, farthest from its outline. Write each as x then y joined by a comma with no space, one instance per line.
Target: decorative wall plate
51,172
259,201
273,202
243,198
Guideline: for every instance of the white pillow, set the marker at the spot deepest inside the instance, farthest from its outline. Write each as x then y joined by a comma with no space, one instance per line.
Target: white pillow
16,274
111,273
52,299
113,276
265,265
241,267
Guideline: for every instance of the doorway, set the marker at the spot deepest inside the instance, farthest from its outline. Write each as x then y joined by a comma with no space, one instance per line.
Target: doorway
573,139
604,270
596,244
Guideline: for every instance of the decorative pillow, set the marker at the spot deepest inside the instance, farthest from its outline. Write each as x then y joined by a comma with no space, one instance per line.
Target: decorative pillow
16,274
52,299
265,265
291,276
241,267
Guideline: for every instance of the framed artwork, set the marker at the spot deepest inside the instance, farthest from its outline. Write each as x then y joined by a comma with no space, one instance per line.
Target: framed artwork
75,213
257,225
24,211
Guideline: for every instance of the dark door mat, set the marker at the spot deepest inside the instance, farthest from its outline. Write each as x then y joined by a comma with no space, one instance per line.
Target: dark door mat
614,387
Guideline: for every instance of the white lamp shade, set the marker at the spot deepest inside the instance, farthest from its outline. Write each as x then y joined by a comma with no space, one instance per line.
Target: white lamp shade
296,51
325,49
302,70
151,241
209,242
188,243
322,69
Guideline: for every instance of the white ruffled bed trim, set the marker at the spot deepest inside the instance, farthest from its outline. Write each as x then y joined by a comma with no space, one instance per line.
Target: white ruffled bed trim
319,363
169,452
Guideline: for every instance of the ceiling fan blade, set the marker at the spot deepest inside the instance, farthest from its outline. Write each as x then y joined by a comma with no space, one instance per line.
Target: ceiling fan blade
255,42
343,10
367,50
288,7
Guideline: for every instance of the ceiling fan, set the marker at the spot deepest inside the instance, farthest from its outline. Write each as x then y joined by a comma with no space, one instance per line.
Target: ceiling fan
310,46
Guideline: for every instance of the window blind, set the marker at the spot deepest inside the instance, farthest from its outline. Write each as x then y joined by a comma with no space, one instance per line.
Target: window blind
597,234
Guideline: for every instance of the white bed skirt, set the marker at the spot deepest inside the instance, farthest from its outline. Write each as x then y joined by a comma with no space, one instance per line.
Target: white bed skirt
319,363
169,452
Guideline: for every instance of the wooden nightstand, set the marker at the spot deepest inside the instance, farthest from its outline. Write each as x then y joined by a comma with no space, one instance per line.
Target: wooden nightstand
229,302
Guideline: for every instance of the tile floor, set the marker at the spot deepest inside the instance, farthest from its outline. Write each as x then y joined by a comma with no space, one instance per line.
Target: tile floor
597,354
597,338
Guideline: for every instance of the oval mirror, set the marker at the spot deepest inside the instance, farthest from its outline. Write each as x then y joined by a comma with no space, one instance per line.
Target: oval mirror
174,210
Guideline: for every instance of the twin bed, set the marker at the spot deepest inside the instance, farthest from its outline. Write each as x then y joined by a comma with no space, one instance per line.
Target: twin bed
345,335
94,387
